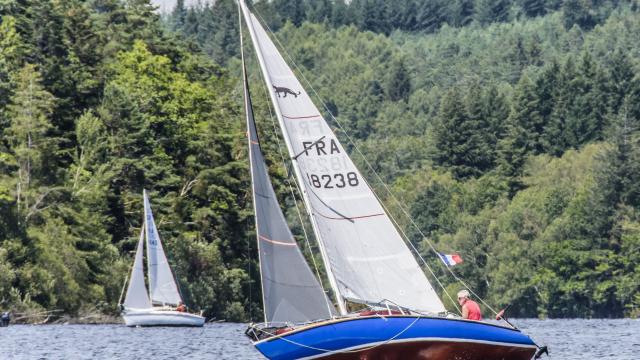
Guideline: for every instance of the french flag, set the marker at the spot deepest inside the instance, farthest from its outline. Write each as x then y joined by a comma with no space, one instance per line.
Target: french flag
450,260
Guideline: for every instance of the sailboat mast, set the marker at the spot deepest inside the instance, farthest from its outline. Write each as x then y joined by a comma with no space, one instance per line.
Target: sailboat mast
305,198
145,233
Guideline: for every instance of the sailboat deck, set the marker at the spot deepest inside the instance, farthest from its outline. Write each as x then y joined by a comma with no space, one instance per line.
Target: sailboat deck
271,335
411,334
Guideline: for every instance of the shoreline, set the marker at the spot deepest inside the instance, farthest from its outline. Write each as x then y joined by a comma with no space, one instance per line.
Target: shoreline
101,319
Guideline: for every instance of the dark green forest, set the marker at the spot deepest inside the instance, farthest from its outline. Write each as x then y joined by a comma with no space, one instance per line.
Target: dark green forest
508,130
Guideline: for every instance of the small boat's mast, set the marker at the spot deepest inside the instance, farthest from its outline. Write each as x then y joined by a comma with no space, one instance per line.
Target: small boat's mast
332,281
146,243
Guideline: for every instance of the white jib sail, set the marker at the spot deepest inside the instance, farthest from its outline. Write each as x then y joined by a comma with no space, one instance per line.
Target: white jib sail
368,258
162,285
137,296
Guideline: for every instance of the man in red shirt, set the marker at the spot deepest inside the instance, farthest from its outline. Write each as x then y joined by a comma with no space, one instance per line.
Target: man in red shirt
181,307
470,308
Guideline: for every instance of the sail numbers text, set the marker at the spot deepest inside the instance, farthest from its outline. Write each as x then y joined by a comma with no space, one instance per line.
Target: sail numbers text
326,157
333,181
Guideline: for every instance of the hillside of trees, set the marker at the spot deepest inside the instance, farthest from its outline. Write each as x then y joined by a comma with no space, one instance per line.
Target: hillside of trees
508,130
97,103
510,139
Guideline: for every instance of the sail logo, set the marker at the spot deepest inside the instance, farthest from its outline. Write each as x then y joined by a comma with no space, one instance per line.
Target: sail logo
284,90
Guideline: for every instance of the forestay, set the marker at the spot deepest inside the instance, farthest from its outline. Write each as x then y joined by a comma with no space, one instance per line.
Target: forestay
162,285
137,296
368,258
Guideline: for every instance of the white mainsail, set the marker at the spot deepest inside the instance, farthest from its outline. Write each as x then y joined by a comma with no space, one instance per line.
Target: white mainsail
162,285
366,257
137,296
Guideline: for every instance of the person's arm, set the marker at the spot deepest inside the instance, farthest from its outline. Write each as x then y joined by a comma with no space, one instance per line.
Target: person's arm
465,312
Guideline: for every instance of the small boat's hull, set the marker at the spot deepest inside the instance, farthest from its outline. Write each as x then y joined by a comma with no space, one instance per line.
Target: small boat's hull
151,317
400,337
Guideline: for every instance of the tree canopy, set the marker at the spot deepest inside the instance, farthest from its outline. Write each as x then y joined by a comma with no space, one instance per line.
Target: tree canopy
508,130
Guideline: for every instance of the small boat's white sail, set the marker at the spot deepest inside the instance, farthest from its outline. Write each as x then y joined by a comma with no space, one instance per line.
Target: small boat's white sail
162,285
367,258
290,291
137,296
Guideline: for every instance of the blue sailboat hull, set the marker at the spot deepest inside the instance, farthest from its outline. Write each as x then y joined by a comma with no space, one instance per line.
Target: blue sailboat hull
399,337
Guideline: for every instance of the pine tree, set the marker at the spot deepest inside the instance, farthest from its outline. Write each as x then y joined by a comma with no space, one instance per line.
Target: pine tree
11,57
341,13
397,81
523,129
620,76
532,8
496,111
372,15
587,107
428,208
431,15
449,136
402,15
556,138
547,86
481,139
578,12
459,138
460,12
191,26
318,11
178,16
29,111
292,10
489,11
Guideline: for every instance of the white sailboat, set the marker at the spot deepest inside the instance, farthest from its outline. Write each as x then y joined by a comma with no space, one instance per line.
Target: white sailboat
367,262
158,306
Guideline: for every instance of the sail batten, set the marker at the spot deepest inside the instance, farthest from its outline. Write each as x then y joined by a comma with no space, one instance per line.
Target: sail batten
290,291
366,257
162,285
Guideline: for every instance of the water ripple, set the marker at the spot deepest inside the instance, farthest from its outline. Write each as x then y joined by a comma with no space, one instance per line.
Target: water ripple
567,340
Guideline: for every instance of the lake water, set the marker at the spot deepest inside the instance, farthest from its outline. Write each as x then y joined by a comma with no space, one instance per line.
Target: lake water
567,340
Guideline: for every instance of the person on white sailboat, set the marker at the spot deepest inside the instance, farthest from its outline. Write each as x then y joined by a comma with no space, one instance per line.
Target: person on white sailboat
181,307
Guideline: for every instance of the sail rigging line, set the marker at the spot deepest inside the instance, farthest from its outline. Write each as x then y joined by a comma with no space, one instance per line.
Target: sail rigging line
288,173
350,140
